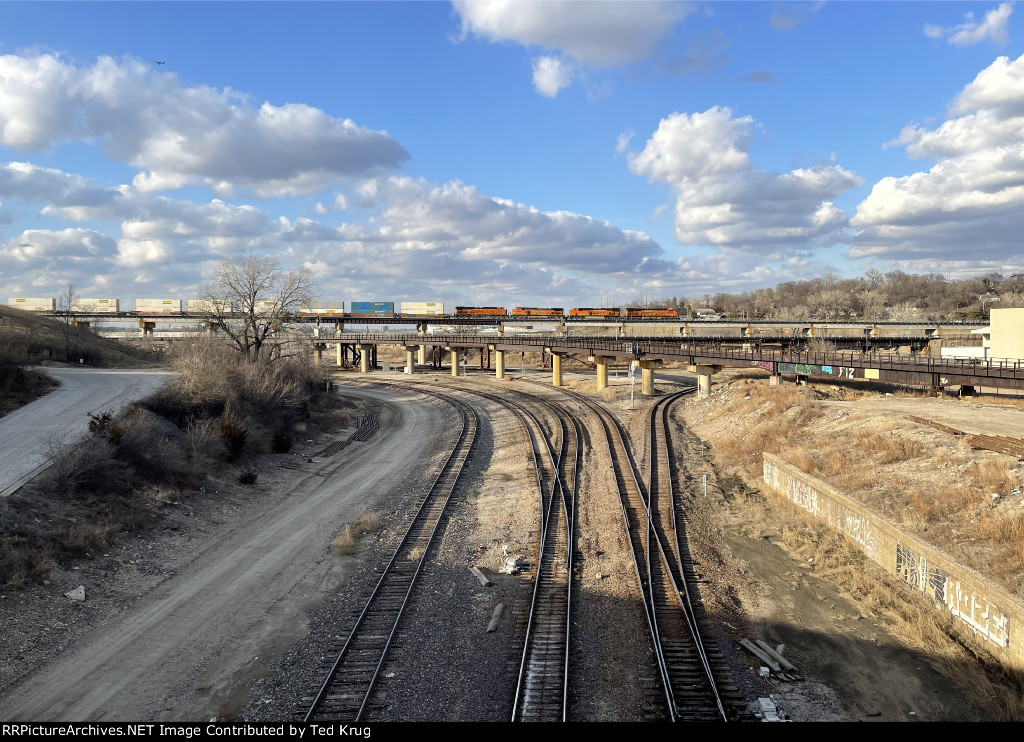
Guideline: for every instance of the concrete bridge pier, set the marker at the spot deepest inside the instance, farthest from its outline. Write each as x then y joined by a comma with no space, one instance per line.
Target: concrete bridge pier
704,374
602,370
80,323
499,363
339,354
454,354
647,376
364,358
318,353
147,328
556,367
422,359
211,328
339,328
410,351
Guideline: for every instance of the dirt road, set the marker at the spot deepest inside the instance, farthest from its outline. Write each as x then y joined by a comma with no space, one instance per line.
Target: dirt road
25,434
187,648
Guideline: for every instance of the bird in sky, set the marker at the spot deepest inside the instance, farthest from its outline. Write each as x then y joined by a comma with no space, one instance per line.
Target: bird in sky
157,62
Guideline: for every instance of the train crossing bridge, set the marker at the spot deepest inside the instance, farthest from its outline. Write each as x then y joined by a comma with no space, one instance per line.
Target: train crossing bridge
702,358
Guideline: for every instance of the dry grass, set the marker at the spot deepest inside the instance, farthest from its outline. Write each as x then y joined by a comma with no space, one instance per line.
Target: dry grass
907,614
928,483
366,521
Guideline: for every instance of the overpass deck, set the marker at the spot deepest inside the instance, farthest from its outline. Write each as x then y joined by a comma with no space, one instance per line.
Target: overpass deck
896,369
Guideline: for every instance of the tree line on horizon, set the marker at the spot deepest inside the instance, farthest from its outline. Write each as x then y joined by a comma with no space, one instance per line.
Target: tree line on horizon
895,296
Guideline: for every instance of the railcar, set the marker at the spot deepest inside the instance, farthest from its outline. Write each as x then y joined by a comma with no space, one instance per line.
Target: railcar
372,309
158,306
96,306
422,308
33,305
210,306
480,312
595,312
322,307
633,312
538,312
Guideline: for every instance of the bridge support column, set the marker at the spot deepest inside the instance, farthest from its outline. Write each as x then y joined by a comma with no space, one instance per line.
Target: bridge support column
80,322
421,328
318,353
704,374
147,328
499,364
556,369
602,371
410,351
364,358
339,352
339,328
422,359
454,353
211,328
647,377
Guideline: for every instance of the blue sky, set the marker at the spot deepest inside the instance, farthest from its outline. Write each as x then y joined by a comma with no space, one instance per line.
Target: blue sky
534,153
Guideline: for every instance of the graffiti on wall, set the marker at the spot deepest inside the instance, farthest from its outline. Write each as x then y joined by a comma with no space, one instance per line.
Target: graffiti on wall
983,617
799,492
766,365
841,372
860,529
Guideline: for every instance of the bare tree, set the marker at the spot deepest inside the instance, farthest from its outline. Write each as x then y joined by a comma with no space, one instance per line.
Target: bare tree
250,297
65,306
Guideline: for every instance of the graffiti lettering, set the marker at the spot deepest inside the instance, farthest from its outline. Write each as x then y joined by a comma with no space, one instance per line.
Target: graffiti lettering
983,617
766,365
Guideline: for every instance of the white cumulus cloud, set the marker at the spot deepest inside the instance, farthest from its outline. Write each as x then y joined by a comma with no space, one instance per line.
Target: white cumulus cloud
178,135
991,28
723,200
968,206
596,33
551,75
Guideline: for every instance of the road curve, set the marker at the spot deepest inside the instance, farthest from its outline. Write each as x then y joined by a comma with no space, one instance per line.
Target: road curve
169,655
25,434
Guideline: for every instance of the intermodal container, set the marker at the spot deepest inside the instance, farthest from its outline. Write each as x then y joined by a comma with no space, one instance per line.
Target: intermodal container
210,306
378,308
422,308
323,307
158,306
98,306
266,307
33,305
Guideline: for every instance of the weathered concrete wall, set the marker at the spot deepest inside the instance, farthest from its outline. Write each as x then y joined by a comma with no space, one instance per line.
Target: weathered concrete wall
993,616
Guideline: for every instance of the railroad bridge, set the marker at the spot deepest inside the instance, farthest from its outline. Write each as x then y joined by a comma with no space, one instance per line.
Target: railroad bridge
703,358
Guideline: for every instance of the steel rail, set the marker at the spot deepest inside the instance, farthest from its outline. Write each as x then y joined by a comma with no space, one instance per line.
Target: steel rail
451,470
662,460
619,452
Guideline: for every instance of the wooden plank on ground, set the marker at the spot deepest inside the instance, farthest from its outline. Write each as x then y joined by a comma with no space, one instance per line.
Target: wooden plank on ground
760,654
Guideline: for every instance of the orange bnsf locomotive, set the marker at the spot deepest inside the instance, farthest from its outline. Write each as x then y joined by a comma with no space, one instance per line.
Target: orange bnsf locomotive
634,313
538,312
595,312
480,312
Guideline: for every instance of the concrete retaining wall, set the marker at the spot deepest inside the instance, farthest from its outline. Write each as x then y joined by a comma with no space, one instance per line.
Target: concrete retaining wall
993,616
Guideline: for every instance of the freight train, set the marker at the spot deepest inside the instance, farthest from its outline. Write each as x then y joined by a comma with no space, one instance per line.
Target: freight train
363,309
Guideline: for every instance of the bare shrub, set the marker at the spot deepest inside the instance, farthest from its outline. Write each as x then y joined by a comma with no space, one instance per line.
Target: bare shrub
345,543
234,434
248,476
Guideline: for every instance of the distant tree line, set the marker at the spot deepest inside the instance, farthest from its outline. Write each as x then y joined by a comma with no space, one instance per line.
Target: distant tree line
894,295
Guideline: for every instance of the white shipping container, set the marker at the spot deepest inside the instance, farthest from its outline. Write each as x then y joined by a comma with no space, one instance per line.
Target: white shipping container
95,305
158,306
208,306
33,305
265,307
423,307
323,307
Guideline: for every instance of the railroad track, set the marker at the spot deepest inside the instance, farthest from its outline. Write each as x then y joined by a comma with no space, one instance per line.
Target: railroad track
543,681
703,687
352,676
689,688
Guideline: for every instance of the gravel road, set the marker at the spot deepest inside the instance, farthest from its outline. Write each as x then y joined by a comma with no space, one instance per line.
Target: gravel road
183,649
25,433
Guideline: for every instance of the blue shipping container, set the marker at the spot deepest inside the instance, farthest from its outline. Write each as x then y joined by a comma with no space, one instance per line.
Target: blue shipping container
372,307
